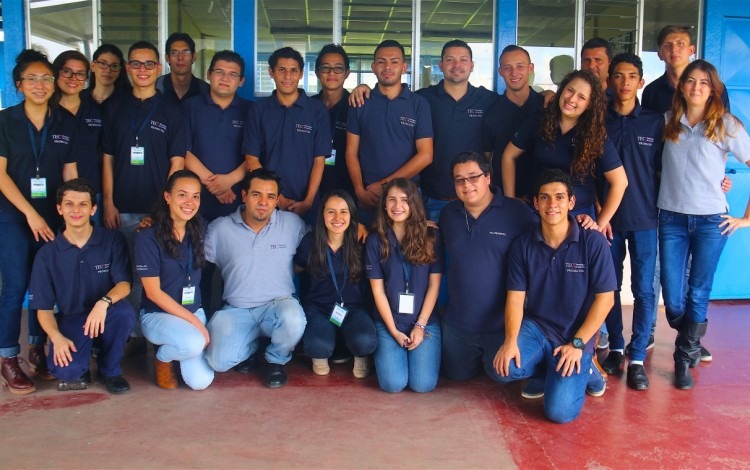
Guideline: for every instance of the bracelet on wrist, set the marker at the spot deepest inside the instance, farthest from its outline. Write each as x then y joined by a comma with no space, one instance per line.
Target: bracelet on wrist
421,326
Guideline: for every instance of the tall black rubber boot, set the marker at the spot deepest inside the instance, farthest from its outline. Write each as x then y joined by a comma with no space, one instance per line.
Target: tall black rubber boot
687,349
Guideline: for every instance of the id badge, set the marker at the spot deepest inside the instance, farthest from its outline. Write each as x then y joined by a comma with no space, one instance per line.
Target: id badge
338,314
406,303
137,155
188,295
38,188
331,160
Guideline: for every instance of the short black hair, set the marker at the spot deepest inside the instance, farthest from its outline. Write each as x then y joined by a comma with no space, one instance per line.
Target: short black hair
286,53
672,29
78,185
332,49
185,37
228,56
261,174
390,43
143,45
627,58
596,43
456,43
27,57
513,48
553,175
467,157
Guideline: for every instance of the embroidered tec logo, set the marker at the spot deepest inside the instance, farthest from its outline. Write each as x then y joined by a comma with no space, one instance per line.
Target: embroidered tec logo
238,123
499,234
646,141
93,122
279,246
60,139
157,126
475,113
102,268
304,128
407,121
575,267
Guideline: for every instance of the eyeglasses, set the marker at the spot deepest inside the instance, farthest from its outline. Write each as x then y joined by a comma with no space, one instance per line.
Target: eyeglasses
223,73
104,65
80,76
338,70
137,64
183,53
36,79
471,179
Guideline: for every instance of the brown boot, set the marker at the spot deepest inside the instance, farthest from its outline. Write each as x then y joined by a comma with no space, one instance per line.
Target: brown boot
14,378
38,362
165,376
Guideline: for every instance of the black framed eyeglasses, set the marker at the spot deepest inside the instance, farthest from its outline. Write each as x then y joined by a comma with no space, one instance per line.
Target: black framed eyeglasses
67,73
471,179
338,69
104,65
137,64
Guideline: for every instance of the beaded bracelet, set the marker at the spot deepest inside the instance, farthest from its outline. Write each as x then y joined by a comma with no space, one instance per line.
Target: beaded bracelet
420,326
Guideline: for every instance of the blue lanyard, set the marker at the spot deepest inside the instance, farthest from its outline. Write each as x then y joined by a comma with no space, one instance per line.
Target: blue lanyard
38,152
333,276
157,102
406,267
190,261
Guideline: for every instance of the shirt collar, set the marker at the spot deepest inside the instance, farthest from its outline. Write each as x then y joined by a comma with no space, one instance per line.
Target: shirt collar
237,217
574,236
404,94
301,99
96,238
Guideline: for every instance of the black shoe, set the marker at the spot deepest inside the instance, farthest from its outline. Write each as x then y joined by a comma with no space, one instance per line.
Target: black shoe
275,376
637,379
247,366
81,383
683,379
611,364
116,384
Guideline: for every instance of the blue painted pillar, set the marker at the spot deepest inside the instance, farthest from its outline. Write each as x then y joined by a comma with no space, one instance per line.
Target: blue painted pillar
244,42
506,22
14,25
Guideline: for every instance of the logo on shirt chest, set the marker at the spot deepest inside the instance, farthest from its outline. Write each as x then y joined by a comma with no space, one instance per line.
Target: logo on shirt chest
60,139
475,113
304,128
407,121
158,126
340,125
278,246
93,122
102,268
238,123
646,141
575,267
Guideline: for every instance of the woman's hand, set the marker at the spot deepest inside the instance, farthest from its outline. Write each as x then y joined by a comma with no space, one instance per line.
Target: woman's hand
401,338
39,227
731,224
416,338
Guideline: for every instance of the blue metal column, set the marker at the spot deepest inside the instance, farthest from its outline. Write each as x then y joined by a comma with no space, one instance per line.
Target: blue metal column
14,25
506,23
244,42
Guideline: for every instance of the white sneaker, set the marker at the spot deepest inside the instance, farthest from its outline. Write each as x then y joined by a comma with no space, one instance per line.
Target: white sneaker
361,367
320,367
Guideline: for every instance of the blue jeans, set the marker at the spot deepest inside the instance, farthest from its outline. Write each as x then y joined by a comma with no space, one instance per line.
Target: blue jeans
398,367
180,341
235,331
111,343
357,331
642,245
433,207
681,236
465,354
563,396
17,250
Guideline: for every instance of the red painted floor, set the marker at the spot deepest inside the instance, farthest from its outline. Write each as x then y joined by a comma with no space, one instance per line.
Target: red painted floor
341,422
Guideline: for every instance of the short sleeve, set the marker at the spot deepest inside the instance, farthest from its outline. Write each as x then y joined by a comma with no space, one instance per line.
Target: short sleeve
517,274
424,119
438,266
121,269
352,124
209,245
601,267
739,142
251,142
147,254
323,139
41,286
373,270
610,159
178,142
304,250
524,136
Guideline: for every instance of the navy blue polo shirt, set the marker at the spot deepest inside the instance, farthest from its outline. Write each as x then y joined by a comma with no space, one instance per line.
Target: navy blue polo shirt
215,137
336,174
560,284
287,140
559,154
16,147
388,131
657,96
137,187
457,126
477,251
75,278
392,272
638,140
502,120
321,292
88,148
152,260
197,87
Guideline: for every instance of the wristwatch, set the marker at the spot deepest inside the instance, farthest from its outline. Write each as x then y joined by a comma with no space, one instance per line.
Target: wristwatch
578,343
107,299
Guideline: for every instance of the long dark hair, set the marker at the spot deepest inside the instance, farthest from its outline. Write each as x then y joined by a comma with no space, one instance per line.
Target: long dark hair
590,132
60,62
162,220
121,82
317,265
418,243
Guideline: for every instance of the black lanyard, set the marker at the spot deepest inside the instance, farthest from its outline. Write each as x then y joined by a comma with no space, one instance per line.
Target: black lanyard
157,102
340,292
405,265
189,271
38,152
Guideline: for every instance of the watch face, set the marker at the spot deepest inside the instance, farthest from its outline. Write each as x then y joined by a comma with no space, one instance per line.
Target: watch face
578,343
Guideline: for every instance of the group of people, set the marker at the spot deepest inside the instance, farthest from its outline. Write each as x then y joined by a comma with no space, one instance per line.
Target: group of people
150,190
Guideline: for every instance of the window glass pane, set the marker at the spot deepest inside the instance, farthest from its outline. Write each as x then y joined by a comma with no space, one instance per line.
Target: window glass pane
306,25
61,26
546,28
658,14
208,23
613,20
123,23
470,21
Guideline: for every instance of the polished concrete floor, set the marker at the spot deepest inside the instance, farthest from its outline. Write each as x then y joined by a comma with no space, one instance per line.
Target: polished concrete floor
342,422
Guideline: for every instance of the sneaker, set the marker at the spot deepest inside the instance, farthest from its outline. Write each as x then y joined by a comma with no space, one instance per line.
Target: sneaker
650,345
320,367
603,341
597,385
533,390
361,367
611,364
706,355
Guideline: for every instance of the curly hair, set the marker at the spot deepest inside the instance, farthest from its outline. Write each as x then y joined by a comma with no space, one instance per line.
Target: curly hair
418,243
589,131
714,110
